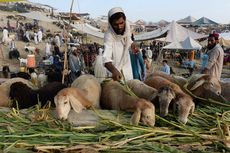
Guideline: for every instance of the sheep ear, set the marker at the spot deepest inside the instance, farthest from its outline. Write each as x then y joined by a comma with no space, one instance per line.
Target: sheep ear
197,84
76,104
136,117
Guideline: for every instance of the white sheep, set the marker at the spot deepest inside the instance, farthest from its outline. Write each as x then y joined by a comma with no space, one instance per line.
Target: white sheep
70,98
91,86
84,93
115,97
185,102
42,79
22,61
164,94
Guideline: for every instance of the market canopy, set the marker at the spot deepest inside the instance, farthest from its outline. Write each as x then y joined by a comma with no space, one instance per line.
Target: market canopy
187,44
88,29
37,16
173,32
204,21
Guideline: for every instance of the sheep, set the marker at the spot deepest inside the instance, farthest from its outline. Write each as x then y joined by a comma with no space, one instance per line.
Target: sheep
202,85
42,79
85,92
115,97
5,99
23,75
6,85
181,81
164,94
91,86
71,98
185,102
5,89
27,97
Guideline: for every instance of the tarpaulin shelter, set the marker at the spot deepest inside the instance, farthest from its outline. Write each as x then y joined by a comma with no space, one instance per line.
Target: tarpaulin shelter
173,32
187,44
204,22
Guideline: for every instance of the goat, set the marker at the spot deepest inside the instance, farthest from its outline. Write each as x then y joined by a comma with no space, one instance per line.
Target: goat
27,97
115,97
185,102
164,94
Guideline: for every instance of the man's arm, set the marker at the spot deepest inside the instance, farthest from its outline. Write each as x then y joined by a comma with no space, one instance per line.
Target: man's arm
116,75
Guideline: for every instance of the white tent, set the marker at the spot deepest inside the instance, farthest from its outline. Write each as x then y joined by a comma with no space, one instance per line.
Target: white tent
173,45
187,20
225,35
187,44
88,29
190,44
174,32
37,16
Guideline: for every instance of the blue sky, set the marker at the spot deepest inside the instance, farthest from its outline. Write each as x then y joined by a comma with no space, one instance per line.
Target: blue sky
150,10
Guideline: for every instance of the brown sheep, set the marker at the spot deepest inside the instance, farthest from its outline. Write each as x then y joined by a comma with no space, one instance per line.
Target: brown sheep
203,85
184,101
181,81
115,97
164,94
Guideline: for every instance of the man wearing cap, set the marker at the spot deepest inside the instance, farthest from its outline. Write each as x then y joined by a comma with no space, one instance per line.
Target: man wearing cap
216,56
117,41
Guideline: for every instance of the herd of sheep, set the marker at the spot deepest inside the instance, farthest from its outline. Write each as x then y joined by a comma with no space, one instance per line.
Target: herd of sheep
158,90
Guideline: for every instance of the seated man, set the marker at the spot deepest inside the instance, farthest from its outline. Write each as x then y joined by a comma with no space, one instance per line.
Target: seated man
165,68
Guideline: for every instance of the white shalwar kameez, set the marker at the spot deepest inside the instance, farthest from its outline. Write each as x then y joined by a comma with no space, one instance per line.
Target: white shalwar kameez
39,36
5,36
100,71
117,48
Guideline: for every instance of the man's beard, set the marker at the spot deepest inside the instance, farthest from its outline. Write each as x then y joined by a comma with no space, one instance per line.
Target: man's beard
119,32
211,46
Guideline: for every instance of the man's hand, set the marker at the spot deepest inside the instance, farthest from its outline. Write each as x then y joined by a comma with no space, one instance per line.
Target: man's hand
116,75
205,71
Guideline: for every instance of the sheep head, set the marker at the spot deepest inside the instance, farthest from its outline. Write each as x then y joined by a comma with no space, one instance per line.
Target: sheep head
209,83
64,103
165,94
185,106
145,112
62,106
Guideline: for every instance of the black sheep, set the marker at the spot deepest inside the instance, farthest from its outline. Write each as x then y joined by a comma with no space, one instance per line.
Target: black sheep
27,97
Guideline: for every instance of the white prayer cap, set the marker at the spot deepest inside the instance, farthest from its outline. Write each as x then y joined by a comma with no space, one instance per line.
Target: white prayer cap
114,10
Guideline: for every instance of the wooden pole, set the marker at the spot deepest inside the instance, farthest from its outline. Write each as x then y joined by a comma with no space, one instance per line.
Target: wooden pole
65,66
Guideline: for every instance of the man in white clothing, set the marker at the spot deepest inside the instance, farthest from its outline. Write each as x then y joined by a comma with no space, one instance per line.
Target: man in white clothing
5,35
39,35
117,41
